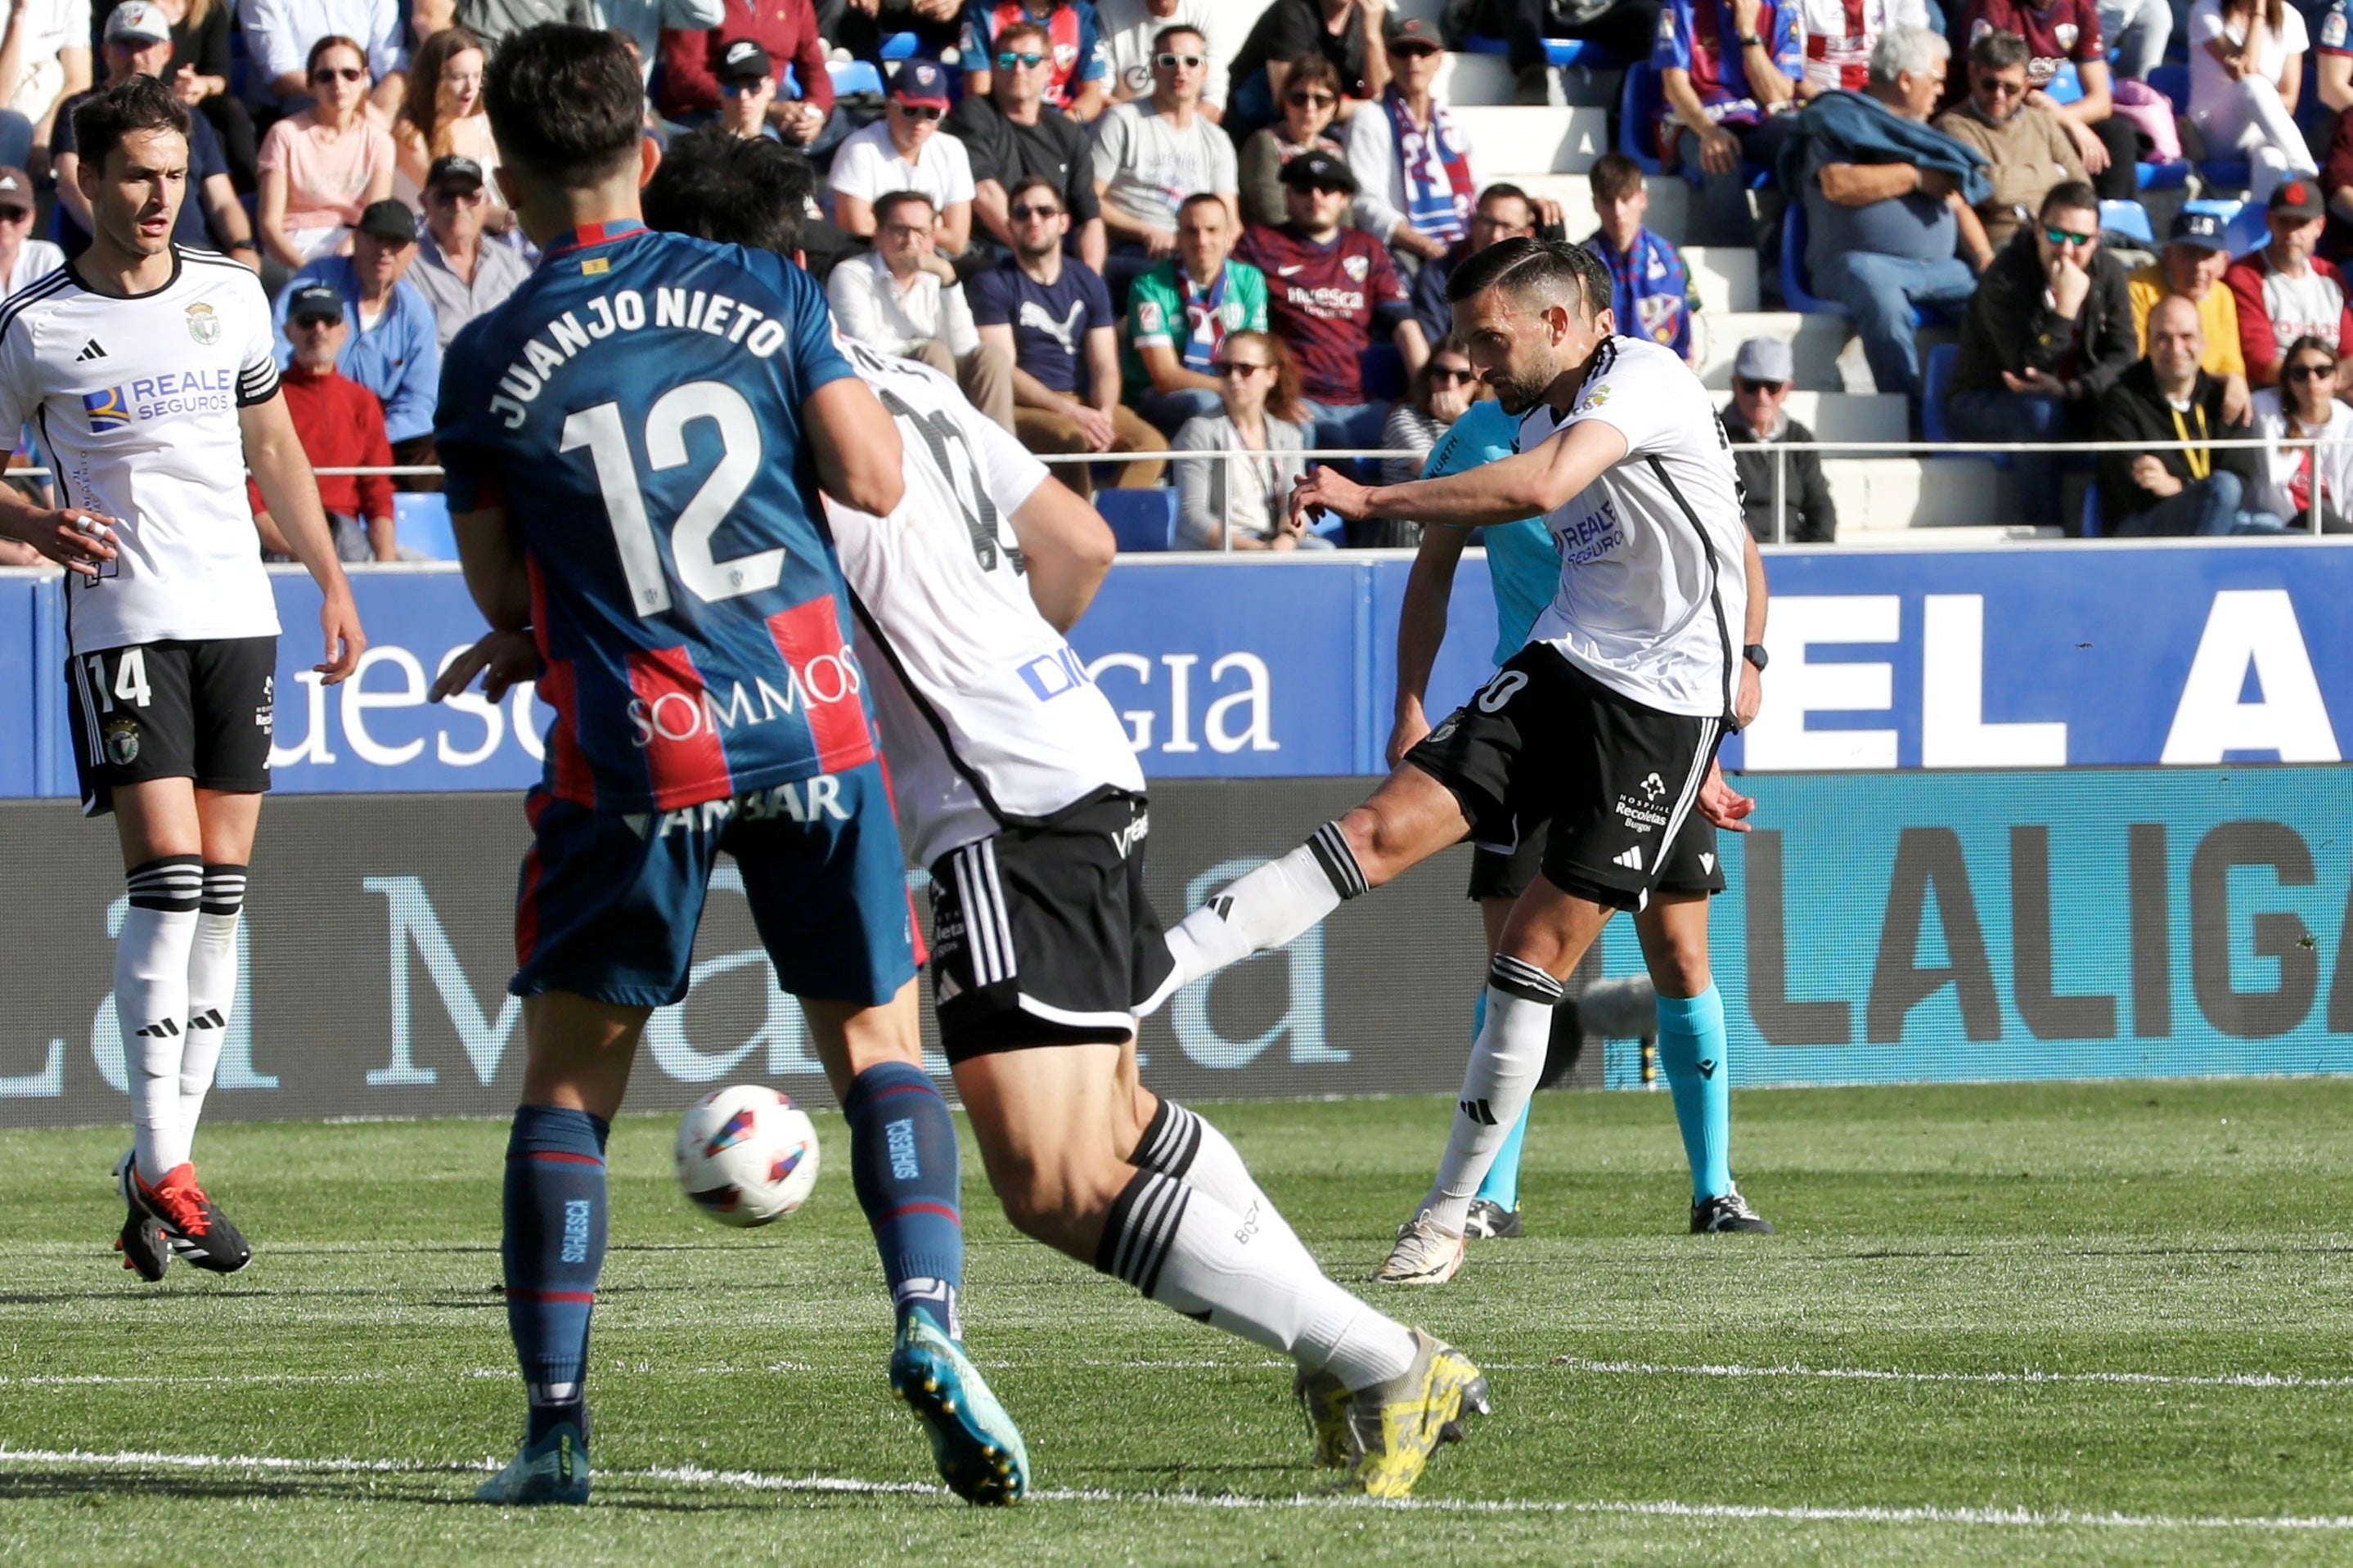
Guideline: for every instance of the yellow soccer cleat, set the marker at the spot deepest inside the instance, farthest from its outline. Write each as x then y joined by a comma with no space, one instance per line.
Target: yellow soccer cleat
1325,1400
1397,1425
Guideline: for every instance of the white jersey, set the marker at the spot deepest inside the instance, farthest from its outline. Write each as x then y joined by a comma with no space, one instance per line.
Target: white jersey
1653,588
135,404
987,717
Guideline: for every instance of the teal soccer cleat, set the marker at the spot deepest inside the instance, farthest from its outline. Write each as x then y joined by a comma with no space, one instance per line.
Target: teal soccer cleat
554,1470
979,1449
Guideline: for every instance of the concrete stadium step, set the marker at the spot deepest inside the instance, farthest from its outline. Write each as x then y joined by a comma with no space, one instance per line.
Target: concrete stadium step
1468,80
1725,277
1671,201
1817,340
1556,140
1887,495
1848,416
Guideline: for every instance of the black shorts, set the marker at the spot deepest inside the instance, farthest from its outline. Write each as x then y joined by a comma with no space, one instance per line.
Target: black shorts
1545,745
1043,935
197,710
1692,863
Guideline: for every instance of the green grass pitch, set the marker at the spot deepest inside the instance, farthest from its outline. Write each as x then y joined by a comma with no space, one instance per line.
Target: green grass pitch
2054,1323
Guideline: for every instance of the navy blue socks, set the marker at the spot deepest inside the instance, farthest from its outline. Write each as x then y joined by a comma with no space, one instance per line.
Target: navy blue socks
905,1162
554,1247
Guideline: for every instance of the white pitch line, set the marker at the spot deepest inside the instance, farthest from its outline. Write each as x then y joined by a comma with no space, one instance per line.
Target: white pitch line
752,1480
1870,1374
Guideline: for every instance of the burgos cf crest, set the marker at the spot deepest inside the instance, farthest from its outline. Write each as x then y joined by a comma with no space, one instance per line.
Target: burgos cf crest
107,409
203,325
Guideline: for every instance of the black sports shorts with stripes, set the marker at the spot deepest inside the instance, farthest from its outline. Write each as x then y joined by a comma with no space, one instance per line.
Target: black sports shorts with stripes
1043,935
1611,782
200,710
1692,865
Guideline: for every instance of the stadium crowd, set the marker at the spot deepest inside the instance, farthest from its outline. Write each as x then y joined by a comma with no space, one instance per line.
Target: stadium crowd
1129,226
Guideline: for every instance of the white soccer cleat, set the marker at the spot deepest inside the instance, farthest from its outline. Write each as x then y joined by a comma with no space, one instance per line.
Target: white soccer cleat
1426,1253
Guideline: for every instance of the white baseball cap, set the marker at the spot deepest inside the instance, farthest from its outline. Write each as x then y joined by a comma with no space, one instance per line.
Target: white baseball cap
138,21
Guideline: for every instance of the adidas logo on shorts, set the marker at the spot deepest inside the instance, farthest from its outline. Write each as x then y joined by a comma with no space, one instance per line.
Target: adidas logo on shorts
1632,859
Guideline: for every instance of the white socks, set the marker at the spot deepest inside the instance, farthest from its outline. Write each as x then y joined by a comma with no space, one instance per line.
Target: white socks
1504,1066
151,1003
1179,1144
212,986
1188,1251
1268,907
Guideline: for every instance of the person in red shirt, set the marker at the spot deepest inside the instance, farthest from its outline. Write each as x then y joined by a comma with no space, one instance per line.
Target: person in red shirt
2283,290
341,424
2063,30
786,30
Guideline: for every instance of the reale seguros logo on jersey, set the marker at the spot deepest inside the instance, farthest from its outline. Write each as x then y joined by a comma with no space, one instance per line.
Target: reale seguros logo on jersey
107,409
159,397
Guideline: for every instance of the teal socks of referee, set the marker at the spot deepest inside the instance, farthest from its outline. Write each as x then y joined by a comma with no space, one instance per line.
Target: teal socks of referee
1691,1055
554,1249
909,1174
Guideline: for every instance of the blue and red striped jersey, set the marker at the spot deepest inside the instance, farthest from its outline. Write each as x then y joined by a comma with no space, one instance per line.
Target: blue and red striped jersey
635,406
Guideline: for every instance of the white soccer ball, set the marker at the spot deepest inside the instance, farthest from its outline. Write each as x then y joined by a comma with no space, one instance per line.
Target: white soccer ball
746,1155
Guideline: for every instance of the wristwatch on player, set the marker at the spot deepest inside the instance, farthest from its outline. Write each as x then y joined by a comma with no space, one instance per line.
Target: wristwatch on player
1752,43
1755,654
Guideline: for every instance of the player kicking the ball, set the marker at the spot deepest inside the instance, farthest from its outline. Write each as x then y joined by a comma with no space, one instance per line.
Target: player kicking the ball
148,371
636,440
1604,726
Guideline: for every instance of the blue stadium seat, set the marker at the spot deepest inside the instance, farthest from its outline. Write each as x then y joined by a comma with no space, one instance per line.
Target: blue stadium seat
2173,81
1383,370
2129,219
1795,293
1937,381
2169,176
854,77
421,522
898,47
1638,113
1140,520
2092,511
1557,51
2066,85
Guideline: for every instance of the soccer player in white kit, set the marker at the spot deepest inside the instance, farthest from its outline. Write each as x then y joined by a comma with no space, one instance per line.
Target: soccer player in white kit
147,371
1605,725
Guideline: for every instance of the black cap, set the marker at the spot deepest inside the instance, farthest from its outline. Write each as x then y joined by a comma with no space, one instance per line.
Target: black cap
2298,199
743,60
1411,33
454,169
388,219
2203,230
1320,168
314,301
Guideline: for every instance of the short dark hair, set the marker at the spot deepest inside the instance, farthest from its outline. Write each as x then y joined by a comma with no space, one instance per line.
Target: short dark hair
1196,199
1614,176
732,190
891,201
1559,272
1024,28
1036,183
2000,51
1503,191
566,103
102,120
2066,193
1160,39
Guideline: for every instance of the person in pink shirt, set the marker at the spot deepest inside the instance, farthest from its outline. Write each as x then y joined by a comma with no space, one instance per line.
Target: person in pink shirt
323,167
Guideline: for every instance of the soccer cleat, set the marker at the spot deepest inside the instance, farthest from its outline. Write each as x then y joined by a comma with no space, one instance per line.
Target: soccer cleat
145,1250
1489,1221
977,1448
1729,1211
1425,1254
1396,1425
194,1227
554,1470
1325,1400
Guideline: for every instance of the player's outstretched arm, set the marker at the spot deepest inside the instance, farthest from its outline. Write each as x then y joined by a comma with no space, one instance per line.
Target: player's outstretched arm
1421,632
857,447
1067,548
1505,491
283,471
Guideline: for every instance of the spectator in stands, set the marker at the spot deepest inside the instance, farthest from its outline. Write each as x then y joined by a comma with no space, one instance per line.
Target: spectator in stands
1650,288
1149,157
1436,395
641,23
1051,315
1624,27
2337,181
396,351
1182,309
1763,373
23,258
1008,135
1410,157
322,166
2026,149
2166,396
747,88
1080,85
1223,503
427,17
902,298
1346,33
1130,33
48,47
905,151
861,26
199,73
1311,96
1728,72
2137,32
2304,407
2049,332
1330,290
1840,35
496,21
341,426
442,115
458,273
281,46
138,42
1504,212
787,30
2283,291
1888,204
2062,31
2246,68
2191,266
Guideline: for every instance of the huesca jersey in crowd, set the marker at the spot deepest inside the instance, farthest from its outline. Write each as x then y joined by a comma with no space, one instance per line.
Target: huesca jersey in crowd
1324,302
136,401
635,406
987,717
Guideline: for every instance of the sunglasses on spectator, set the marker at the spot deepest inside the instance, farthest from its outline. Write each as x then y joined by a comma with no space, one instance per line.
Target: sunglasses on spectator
1006,62
918,111
466,198
1170,62
2002,87
340,73
1743,384
15,215
308,324
1240,367
1312,99
2308,373
1036,211
738,89
1447,375
2067,236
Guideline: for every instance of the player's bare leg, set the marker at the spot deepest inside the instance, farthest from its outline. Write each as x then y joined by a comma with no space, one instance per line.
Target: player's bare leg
184,852
1411,817
1049,1121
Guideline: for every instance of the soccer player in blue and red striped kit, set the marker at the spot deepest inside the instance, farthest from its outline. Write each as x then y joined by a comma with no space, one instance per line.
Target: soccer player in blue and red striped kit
636,442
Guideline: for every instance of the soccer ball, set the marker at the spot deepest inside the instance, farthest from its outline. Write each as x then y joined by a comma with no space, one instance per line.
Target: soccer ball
746,1155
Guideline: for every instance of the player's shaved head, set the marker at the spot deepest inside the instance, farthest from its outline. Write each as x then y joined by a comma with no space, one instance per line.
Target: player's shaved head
566,104
734,190
1538,272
